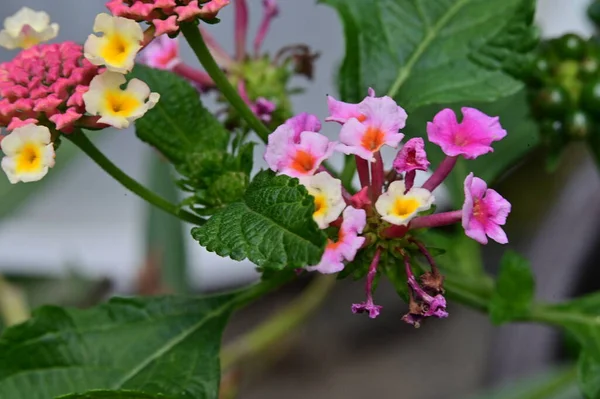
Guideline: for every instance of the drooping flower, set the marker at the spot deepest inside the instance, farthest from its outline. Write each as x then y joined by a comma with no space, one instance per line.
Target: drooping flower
161,53
398,208
470,138
483,212
298,158
303,122
45,82
412,156
118,46
347,243
165,15
369,306
29,153
383,120
26,29
342,112
118,107
327,192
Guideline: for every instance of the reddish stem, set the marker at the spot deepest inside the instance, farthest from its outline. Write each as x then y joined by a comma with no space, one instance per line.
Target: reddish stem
440,173
409,180
377,176
241,29
372,272
436,220
219,54
194,75
427,255
362,166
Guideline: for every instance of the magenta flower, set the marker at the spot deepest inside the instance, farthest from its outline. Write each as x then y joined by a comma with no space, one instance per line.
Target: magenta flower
412,156
347,244
161,53
262,107
341,112
297,156
470,138
303,122
165,15
383,120
483,212
45,82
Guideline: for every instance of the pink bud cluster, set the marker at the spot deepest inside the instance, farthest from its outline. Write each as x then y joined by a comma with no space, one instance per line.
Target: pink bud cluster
165,15
45,83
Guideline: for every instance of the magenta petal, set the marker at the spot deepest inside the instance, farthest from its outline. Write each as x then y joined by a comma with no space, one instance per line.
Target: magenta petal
498,207
496,233
476,231
340,111
412,156
304,122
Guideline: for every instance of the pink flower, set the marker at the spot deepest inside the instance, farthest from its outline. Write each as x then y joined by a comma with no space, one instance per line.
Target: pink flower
341,112
262,107
412,156
45,82
296,158
483,212
347,244
383,120
165,15
161,53
303,122
470,138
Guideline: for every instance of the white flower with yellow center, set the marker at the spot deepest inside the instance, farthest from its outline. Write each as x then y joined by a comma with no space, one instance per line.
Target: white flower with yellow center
26,29
327,192
29,153
117,47
399,208
118,107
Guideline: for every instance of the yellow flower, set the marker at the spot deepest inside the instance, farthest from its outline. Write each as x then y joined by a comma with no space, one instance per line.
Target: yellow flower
26,29
117,47
397,207
118,107
29,153
327,193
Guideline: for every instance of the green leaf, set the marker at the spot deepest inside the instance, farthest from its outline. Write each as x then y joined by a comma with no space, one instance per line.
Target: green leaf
165,345
273,225
433,52
515,288
98,394
588,372
178,125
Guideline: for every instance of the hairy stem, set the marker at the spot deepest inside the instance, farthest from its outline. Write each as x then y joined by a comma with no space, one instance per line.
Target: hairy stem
85,145
279,325
196,41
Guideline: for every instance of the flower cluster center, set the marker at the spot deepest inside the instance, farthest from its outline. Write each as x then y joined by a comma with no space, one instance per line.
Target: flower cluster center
30,158
373,139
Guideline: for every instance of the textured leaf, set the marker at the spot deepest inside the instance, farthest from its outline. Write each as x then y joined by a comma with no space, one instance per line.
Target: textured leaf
588,370
273,225
179,124
433,51
514,291
113,395
163,345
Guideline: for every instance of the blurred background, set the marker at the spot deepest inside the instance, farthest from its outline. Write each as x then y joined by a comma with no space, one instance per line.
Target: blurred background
78,237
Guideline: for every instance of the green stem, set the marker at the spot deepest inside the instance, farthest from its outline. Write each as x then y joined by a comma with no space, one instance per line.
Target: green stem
196,42
279,325
84,144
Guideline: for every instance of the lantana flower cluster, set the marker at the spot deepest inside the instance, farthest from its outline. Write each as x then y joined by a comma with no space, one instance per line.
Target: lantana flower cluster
48,89
388,209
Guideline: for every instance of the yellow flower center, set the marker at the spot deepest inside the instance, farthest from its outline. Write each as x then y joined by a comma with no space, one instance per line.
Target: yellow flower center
120,103
404,207
29,159
320,205
116,49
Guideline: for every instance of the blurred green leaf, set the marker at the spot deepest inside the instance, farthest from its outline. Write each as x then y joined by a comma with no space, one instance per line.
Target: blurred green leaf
272,227
588,368
165,345
113,395
433,52
515,288
165,239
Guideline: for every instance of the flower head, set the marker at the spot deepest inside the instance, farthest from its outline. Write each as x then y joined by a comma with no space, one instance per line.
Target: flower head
412,156
161,53
383,119
26,29
483,212
262,107
296,158
470,138
45,82
29,153
118,107
303,122
165,15
327,192
118,46
397,207
347,243
342,112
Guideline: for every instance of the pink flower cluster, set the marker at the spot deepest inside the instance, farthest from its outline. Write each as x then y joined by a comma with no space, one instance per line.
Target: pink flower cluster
165,15
297,149
45,82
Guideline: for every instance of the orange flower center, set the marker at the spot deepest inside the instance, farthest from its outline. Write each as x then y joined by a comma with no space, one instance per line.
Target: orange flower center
303,161
372,140
361,118
340,240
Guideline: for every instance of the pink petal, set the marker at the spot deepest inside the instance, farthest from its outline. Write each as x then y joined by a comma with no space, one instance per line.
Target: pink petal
412,156
304,122
279,147
496,233
476,231
341,112
498,207
384,113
